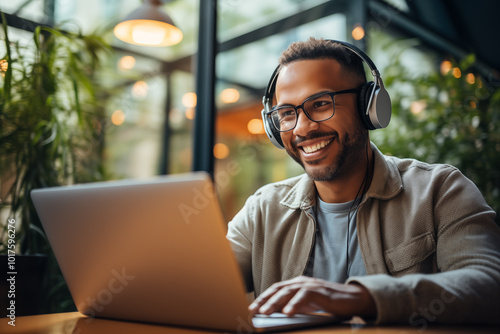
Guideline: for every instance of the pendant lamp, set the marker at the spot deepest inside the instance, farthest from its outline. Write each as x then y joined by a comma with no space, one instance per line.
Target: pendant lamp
148,25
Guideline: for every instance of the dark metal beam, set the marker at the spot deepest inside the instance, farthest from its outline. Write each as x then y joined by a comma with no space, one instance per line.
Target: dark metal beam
17,22
204,122
165,152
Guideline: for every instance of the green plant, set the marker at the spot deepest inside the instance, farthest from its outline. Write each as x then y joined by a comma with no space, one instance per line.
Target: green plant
451,117
50,120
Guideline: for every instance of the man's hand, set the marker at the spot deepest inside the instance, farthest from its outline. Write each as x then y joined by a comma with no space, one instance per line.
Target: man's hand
306,295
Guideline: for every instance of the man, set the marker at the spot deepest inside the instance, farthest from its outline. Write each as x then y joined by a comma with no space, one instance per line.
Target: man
361,234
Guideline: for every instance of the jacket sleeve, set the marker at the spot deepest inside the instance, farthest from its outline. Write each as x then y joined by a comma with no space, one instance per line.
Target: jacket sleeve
239,235
466,286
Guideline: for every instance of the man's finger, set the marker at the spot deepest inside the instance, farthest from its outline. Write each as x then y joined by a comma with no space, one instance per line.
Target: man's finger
278,294
271,291
262,299
277,301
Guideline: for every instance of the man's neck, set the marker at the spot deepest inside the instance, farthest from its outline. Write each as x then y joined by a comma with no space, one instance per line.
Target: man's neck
348,187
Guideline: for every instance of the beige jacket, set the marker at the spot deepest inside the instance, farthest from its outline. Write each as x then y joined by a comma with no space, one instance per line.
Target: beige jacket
428,240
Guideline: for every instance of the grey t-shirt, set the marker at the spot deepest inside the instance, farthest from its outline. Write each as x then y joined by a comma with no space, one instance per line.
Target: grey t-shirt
336,254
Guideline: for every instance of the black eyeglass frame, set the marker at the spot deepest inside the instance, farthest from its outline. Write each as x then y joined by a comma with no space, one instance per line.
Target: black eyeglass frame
301,106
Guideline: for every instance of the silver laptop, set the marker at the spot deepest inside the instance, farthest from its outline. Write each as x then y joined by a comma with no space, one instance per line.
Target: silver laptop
153,251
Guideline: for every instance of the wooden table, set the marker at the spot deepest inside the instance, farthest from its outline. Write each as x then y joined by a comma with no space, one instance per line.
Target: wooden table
76,323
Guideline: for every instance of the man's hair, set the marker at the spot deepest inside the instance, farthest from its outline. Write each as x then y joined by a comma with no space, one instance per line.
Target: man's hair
325,49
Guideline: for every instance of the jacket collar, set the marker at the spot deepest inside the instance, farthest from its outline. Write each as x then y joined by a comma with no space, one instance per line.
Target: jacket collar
386,181
302,195
386,184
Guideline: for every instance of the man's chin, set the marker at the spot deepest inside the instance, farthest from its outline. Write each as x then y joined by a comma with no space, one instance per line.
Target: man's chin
320,174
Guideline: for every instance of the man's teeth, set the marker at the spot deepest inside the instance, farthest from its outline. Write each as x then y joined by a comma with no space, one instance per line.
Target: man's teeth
314,148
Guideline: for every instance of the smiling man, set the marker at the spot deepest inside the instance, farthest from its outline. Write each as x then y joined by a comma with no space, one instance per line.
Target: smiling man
332,151
360,234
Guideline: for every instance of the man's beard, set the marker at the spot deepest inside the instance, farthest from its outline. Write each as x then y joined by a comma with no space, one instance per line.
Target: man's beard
348,149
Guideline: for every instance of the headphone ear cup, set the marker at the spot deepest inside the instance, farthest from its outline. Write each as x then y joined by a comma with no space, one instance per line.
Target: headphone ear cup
271,132
363,99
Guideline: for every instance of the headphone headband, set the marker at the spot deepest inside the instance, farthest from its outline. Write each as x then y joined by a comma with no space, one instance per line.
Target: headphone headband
361,55
271,85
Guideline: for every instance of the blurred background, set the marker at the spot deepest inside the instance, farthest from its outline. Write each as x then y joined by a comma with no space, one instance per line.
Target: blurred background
438,58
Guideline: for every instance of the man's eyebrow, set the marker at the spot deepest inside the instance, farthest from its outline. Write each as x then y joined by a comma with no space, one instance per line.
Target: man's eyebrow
279,105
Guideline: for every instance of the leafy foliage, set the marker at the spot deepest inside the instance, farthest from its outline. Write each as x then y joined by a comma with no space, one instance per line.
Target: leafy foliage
50,120
451,117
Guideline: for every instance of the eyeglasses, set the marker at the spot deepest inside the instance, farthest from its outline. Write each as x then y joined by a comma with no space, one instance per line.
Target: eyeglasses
318,108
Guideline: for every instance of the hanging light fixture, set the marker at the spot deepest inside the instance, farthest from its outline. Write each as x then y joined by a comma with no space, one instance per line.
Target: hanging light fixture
148,25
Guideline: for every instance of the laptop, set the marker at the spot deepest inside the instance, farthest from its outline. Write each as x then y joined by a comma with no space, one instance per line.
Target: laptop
154,251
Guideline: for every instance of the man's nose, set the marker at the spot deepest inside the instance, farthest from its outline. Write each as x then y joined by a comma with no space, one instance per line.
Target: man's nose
304,124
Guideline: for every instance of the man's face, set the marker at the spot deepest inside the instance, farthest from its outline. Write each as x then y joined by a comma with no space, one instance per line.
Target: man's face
333,146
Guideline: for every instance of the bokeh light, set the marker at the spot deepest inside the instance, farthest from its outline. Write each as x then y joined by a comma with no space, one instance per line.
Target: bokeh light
118,117
446,67
229,95
126,63
190,113
4,65
358,32
189,100
140,89
456,72
255,126
470,78
221,151
417,107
